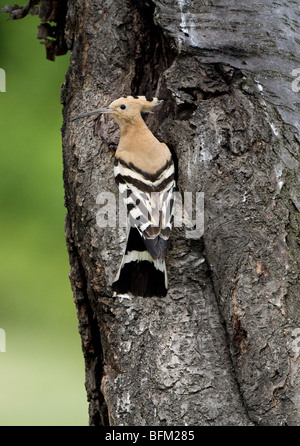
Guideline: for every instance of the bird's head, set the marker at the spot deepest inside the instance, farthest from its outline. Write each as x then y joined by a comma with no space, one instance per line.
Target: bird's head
126,109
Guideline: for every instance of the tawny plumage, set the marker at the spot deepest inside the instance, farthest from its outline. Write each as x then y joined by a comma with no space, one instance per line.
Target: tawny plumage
144,172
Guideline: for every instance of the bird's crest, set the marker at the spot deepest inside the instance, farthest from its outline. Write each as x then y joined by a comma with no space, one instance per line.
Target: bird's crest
144,103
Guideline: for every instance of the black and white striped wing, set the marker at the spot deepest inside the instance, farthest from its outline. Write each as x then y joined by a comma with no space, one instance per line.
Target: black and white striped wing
149,202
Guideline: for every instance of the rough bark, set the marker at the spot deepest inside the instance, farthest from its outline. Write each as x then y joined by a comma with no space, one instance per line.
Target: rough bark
51,31
223,347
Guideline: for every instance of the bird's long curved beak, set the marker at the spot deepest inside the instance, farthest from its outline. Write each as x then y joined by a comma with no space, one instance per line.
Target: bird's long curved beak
94,112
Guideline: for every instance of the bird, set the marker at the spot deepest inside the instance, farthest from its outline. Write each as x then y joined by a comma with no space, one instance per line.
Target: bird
145,174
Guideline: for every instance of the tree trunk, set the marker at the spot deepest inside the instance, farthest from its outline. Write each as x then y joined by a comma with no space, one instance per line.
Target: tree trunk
223,347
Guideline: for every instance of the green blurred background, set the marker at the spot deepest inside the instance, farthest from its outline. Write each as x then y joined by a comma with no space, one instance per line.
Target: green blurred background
42,370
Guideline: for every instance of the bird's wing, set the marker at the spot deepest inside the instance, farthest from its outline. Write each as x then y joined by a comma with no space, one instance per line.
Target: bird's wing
149,202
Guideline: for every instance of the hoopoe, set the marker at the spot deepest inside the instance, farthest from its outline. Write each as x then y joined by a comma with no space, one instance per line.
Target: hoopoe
144,172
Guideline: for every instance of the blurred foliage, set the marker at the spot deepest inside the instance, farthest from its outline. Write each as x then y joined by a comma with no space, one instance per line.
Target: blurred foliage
42,370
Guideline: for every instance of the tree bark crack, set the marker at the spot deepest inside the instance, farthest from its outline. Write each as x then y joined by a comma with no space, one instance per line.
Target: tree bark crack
153,53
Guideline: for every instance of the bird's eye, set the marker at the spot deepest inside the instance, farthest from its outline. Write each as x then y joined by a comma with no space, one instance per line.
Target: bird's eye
122,107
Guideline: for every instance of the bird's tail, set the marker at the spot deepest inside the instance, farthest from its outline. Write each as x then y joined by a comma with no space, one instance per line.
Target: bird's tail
139,274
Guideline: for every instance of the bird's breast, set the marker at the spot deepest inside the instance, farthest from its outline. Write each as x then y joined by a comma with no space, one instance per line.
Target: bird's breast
149,157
